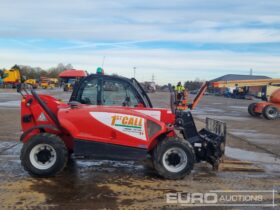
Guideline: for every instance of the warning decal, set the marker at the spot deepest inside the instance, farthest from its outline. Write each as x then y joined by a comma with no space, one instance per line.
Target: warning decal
128,124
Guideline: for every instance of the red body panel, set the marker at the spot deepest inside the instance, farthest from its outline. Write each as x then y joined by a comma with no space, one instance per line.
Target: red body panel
275,97
125,126
274,101
260,106
82,124
36,110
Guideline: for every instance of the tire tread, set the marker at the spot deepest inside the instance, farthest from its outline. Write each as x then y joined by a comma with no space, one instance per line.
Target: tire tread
157,153
57,143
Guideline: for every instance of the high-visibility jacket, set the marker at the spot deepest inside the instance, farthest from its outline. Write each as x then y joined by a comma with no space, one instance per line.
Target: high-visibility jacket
179,88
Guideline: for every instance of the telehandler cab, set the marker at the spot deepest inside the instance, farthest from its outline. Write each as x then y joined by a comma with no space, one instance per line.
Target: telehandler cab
111,117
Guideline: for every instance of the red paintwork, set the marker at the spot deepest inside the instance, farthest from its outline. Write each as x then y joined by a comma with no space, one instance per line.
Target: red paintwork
77,123
35,110
73,73
200,95
274,101
260,106
275,97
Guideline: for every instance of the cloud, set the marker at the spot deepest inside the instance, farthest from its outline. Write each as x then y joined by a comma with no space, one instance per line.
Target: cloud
120,21
166,65
173,39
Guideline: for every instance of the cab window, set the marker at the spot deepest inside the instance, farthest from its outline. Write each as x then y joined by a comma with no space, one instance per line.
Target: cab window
118,93
89,92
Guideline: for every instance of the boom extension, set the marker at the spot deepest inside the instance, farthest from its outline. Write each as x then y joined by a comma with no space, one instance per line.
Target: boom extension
199,96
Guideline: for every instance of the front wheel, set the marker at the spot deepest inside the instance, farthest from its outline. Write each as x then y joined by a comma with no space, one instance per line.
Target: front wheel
44,155
173,158
270,112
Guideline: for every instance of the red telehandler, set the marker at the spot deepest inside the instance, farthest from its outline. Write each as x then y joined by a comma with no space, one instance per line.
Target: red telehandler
111,117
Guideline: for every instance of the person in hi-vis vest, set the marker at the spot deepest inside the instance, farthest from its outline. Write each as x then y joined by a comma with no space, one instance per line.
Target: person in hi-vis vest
179,89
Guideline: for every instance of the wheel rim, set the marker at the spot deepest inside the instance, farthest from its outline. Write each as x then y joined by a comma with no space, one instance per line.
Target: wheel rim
175,159
43,156
272,112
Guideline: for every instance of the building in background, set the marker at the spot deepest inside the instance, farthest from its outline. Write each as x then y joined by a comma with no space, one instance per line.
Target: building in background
255,90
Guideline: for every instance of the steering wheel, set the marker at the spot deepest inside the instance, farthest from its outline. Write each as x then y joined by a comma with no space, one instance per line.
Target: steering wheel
86,100
127,101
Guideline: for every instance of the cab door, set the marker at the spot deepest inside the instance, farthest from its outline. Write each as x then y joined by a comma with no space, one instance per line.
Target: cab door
115,92
108,91
89,92
112,120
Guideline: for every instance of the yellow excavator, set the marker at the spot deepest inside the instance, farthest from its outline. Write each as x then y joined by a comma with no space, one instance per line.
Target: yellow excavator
11,77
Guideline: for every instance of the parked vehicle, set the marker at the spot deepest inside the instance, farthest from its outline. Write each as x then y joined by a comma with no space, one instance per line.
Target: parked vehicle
119,123
12,77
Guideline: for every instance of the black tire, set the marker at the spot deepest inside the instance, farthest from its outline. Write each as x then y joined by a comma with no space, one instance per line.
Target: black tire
161,157
251,111
271,112
54,153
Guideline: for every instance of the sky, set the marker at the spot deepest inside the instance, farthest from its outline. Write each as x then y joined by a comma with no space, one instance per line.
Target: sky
174,40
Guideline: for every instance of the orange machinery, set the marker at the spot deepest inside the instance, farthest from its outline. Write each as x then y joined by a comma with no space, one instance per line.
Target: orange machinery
270,109
183,104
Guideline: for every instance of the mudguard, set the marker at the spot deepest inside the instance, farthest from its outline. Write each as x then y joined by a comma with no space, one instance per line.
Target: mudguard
39,127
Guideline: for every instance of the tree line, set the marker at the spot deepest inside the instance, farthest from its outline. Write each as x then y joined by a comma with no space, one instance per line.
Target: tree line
28,72
193,85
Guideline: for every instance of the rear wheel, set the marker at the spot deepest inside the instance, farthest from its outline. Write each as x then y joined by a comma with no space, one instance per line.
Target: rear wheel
173,158
251,110
44,155
271,112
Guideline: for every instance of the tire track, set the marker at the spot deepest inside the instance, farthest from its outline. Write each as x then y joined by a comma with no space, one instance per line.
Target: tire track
8,147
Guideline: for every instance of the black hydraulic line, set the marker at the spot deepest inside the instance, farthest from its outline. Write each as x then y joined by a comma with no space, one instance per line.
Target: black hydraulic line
46,108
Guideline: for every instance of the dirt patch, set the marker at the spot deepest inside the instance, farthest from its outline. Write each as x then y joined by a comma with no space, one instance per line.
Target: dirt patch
135,185
18,195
